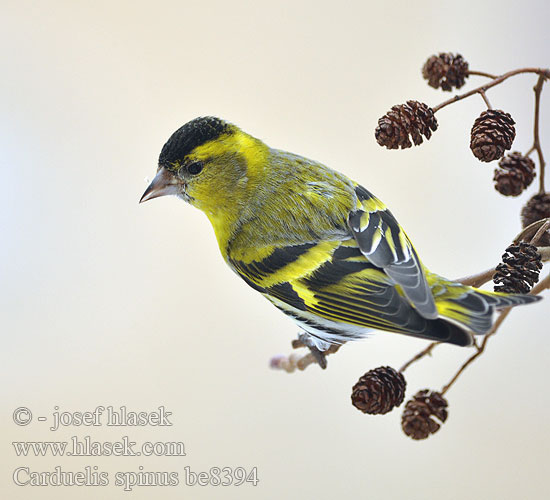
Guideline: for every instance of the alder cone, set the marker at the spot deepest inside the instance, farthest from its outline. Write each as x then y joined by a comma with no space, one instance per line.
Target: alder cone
379,391
445,71
519,269
492,133
515,173
424,414
414,119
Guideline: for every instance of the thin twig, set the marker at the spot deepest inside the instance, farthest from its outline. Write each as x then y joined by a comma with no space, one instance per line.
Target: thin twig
536,139
419,356
484,96
539,71
477,280
481,73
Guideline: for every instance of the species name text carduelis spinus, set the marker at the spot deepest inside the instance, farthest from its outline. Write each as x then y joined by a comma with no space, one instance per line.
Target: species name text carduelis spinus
320,247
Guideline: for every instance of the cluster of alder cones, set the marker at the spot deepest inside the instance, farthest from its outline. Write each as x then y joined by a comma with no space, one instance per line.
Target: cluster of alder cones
382,389
492,134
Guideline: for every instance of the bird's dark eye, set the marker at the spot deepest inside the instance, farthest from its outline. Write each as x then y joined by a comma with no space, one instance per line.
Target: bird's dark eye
194,168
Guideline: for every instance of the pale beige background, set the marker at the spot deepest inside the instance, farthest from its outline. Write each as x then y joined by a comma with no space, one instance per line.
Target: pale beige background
105,302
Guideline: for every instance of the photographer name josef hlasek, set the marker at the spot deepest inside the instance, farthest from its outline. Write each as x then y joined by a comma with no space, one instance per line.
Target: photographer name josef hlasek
108,415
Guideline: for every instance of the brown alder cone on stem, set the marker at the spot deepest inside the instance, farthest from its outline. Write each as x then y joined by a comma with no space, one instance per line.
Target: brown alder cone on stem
519,269
514,175
492,133
445,71
412,118
420,414
379,391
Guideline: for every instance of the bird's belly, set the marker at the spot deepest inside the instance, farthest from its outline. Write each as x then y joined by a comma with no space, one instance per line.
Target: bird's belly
323,332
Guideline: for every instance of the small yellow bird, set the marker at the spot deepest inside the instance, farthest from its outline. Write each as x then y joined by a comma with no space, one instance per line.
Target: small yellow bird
320,247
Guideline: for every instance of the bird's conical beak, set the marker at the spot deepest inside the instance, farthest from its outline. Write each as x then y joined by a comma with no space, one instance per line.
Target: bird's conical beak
163,184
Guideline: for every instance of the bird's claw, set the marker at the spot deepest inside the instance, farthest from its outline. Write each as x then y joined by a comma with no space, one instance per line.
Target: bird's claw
295,361
319,356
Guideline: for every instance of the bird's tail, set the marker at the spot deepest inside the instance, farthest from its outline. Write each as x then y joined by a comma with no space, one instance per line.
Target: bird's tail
474,309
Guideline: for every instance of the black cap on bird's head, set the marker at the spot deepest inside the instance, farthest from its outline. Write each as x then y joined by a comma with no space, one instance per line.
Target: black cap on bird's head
180,144
192,134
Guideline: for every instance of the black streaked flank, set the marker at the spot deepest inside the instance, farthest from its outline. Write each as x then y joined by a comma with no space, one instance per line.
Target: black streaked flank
279,258
312,323
252,284
286,293
332,272
188,137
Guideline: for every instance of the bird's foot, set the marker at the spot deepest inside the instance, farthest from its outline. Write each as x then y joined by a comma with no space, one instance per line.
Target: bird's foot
319,356
301,362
